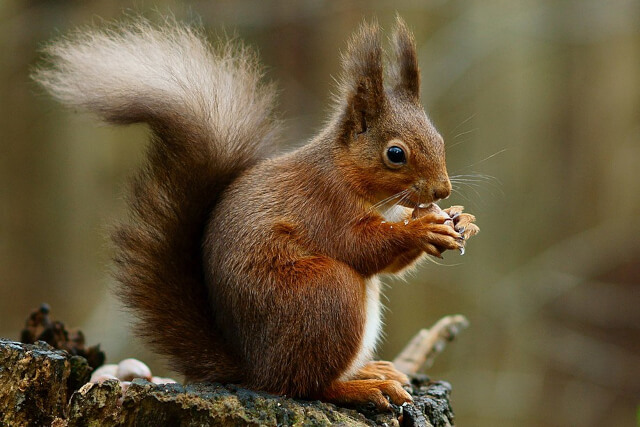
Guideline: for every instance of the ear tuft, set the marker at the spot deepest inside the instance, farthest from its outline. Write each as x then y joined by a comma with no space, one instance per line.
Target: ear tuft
361,82
404,69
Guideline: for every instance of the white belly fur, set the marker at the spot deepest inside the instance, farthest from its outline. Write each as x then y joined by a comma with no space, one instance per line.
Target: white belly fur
372,329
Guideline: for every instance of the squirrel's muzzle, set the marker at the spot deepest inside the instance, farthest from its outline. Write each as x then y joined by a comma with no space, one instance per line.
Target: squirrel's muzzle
441,190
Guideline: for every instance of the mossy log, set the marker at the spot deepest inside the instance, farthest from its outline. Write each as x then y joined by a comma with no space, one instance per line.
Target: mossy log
43,386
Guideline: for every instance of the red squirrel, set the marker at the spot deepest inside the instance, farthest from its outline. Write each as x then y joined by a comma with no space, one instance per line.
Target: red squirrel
249,268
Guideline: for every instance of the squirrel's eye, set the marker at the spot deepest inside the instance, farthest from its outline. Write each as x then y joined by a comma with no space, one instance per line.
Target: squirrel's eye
396,155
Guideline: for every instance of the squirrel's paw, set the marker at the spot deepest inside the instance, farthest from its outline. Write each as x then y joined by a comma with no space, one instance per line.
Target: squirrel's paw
434,225
440,237
368,391
463,223
381,370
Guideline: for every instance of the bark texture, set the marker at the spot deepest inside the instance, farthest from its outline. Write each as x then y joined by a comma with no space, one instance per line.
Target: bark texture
36,382
43,386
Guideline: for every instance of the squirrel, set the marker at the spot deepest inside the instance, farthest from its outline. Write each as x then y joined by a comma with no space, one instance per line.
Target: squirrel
249,267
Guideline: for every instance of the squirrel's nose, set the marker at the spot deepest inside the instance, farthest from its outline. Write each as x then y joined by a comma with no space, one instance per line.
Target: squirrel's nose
442,190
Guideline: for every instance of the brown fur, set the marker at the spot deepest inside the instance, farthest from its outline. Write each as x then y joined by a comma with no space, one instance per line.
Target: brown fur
258,271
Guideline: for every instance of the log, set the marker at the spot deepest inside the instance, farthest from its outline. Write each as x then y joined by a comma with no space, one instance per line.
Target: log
43,386
36,382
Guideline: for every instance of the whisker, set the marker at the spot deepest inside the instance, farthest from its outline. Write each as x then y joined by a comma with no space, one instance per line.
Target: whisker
478,180
388,199
462,141
478,185
463,133
464,179
400,195
470,183
459,193
490,182
463,122
474,189
485,159
431,259
478,176
402,199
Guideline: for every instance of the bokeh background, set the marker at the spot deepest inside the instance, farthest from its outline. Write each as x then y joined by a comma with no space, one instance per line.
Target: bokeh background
539,104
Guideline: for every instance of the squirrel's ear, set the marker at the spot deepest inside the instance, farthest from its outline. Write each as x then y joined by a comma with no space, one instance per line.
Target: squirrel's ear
362,95
404,68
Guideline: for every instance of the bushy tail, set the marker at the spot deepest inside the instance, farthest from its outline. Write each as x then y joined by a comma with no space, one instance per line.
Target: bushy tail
211,118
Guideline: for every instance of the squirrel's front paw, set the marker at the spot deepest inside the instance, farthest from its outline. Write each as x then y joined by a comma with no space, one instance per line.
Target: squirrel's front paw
441,237
437,231
463,223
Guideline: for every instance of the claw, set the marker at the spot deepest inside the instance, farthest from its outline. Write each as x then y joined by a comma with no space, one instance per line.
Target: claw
462,250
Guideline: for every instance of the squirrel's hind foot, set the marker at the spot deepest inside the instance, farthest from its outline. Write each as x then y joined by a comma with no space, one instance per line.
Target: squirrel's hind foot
366,391
381,370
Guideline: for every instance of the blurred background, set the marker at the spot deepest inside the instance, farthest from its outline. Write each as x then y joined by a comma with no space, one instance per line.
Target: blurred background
539,105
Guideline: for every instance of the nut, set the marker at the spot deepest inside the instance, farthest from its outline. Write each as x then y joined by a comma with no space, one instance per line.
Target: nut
128,369
110,370
99,379
161,380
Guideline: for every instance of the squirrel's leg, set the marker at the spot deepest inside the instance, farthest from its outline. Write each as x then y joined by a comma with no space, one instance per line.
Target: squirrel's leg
307,333
365,391
386,245
404,259
308,327
381,370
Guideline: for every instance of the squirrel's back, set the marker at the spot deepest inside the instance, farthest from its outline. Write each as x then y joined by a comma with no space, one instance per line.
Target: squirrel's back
211,119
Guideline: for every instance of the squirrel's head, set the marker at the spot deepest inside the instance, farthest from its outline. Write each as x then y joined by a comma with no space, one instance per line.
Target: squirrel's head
387,146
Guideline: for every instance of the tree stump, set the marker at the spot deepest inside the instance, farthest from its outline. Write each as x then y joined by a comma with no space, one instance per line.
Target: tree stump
43,386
